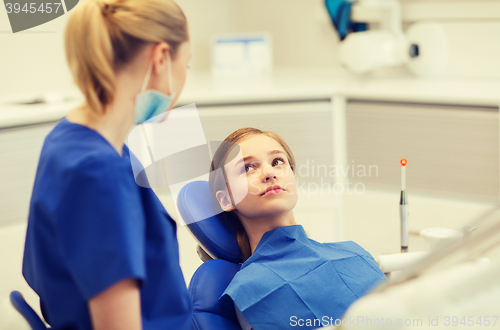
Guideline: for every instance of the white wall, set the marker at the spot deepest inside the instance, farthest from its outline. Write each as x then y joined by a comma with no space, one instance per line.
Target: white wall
33,59
302,31
303,37
204,19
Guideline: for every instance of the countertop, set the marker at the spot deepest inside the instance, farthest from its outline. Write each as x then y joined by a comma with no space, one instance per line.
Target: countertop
298,84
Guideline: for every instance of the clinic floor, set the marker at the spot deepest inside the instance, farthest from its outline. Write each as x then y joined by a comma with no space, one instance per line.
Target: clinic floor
371,220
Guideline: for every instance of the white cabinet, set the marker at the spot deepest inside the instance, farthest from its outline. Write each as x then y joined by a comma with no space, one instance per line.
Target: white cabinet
20,149
452,150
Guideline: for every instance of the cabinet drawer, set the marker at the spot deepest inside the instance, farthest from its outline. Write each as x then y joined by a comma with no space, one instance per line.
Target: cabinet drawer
452,151
20,150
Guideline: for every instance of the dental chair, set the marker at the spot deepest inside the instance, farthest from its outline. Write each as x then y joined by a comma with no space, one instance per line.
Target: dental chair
18,302
218,249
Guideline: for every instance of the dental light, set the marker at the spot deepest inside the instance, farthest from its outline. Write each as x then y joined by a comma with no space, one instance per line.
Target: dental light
366,51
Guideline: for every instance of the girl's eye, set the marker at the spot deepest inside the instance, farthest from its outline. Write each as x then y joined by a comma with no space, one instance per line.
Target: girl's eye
278,161
247,168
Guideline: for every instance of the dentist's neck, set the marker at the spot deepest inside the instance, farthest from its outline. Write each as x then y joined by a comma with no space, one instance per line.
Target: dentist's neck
257,227
115,124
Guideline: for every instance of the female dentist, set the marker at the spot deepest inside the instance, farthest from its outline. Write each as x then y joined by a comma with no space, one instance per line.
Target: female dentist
101,251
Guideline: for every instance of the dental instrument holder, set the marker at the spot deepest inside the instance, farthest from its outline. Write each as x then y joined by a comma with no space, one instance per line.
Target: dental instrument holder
403,205
403,208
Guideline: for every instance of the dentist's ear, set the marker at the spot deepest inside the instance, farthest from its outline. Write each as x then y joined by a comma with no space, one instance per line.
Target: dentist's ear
224,201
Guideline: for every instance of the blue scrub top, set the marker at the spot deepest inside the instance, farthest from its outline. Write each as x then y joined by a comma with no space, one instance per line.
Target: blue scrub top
90,225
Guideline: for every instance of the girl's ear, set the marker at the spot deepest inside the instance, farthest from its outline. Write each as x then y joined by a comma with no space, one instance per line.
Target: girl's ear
224,201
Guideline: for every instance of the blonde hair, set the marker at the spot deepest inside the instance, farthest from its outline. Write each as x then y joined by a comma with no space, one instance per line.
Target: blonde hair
218,180
103,35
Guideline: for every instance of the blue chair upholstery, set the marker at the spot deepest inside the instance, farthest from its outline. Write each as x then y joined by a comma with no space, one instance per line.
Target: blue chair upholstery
17,300
195,204
206,286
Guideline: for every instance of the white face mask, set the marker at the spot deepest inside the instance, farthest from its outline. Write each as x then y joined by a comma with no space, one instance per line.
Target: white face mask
151,106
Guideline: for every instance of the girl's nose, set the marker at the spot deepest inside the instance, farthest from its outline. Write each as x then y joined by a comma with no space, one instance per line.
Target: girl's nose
269,174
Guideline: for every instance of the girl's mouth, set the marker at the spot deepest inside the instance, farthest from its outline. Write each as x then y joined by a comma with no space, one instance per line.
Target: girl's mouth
274,190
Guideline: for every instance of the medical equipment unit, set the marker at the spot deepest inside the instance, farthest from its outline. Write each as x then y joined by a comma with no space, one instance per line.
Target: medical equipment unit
454,285
427,48
366,51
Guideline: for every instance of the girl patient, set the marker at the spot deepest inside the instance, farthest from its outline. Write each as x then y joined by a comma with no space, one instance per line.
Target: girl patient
286,280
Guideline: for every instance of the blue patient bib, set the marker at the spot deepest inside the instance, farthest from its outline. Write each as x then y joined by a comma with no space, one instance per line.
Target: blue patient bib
291,281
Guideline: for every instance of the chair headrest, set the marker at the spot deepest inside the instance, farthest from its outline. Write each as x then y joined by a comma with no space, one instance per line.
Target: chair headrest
196,206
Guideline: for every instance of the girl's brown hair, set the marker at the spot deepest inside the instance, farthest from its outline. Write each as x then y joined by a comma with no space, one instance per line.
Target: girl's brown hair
218,180
103,35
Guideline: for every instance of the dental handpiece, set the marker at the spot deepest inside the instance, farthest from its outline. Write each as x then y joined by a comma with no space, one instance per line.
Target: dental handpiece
403,207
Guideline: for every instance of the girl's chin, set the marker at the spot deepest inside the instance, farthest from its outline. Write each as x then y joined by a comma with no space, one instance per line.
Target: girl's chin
267,212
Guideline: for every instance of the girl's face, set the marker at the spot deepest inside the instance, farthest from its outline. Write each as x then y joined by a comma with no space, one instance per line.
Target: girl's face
262,177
